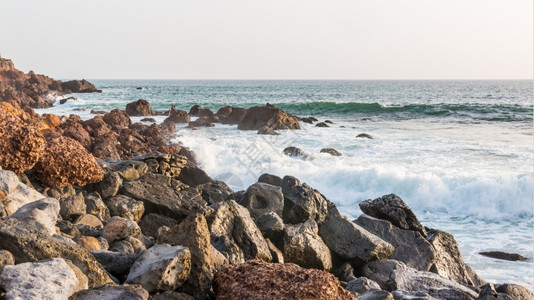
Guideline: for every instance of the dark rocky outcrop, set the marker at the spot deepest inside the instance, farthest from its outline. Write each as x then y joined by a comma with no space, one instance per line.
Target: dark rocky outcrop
177,116
504,255
79,86
301,202
364,136
295,152
331,151
270,116
139,108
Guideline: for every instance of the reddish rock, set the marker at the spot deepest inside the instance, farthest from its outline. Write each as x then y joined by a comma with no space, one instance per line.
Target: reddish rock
260,280
105,146
64,162
170,149
234,117
21,144
194,110
75,130
96,126
201,122
177,116
79,86
117,117
139,108
270,116
208,115
223,112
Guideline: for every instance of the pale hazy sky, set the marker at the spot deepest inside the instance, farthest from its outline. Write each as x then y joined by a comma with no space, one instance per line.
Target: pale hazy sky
247,39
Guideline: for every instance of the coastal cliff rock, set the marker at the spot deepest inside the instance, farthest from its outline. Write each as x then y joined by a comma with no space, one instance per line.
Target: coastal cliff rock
270,116
177,116
260,280
79,86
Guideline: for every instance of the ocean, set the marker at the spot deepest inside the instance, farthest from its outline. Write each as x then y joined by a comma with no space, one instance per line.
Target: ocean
460,153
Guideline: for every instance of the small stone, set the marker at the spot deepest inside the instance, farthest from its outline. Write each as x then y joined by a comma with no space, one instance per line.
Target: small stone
330,151
89,242
119,228
89,220
6,259
126,207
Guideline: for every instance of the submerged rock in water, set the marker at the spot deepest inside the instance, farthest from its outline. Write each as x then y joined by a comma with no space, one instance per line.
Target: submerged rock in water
364,135
331,151
504,255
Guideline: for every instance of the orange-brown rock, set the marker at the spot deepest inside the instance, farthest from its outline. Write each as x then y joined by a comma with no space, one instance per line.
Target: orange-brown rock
66,162
260,280
139,108
177,116
117,117
270,116
21,144
50,121
79,86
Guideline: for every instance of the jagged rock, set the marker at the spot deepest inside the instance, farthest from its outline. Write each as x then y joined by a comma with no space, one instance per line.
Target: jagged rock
137,244
6,259
278,256
232,221
66,162
260,280
345,272
161,268
113,292
79,86
261,198
194,234
265,130
393,209
116,263
75,130
109,186
194,110
165,196
49,279
449,262
331,151
170,165
150,223
350,241
376,295
126,207
304,247
21,144
41,214
361,285
119,228
234,117
410,247
73,207
295,152
270,179
139,108
257,117
272,227
201,122
97,207
504,255
488,292
117,117
215,192
193,176
514,291
301,202
365,136
177,116
61,193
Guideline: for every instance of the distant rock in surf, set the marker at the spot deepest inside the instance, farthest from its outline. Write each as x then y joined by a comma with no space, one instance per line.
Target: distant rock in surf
322,124
140,107
273,117
330,151
504,255
364,136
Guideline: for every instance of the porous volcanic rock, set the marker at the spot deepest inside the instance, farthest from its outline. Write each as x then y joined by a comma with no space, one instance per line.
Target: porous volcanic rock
260,280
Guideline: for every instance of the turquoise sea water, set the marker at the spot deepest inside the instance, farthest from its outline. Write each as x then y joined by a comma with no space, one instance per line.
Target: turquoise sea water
460,153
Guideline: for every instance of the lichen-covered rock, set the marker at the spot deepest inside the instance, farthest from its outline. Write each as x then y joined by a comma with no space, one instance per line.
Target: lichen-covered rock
21,144
161,268
139,108
66,162
49,279
257,117
260,280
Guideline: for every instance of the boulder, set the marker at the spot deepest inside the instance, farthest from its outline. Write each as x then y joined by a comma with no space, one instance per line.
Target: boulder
350,241
270,179
304,247
393,209
76,131
504,255
41,214
113,292
265,130
6,259
126,207
88,242
116,263
150,223
330,151
89,220
14,194
234,117
194,110
364,136
165,196
410,247
272,227
404,295
270,116
49,279
200,122
309,120
109,186
66,162
514,291
79,86
97,207
295,152
161,268
21,144
261,198
177,116
119,228
215,192
321,124
122,246
73,207
301,202
117,117
260,280
150,120
139,108
361,285
194,176
376,295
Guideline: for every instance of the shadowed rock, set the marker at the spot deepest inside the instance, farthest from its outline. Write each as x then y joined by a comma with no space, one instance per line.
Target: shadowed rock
270,116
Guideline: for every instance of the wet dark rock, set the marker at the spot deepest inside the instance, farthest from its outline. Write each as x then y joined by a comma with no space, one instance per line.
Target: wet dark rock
234,117
295,152
200,122
504,255
261,198
301,202
322,124
63,101
139,108
152,120
272,227
267,131
97,207
330,151
116,263
193,176
328,122
270,179
309,120
215,192
365,136
150,224
195,109
273,117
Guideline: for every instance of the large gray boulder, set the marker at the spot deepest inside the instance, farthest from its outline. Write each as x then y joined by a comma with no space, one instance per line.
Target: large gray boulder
161,268
303,246
301,202
350,241
42,214
393,209
165,196
49,279
14,194
113,292
261,198
410,247
272,227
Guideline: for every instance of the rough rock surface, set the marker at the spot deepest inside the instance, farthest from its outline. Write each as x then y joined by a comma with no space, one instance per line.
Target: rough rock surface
331,151
6,259
514,291
177,116
119,228
265,130
393,209
66,162
139,108
261,198
295,152
270,116
126,207
113,292
361,285
161,268
504,255
79,86
41,214
116,263
303,246
117,117
301,202
259,280
49,279
14,194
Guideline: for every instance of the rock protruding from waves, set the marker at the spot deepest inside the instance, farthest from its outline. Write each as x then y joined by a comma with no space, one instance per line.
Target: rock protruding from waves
260,280
139,108
270,116
177,116
364,136
504,255
331,151
79,86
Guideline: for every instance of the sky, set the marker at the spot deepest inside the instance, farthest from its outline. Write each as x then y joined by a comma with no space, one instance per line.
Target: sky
248,39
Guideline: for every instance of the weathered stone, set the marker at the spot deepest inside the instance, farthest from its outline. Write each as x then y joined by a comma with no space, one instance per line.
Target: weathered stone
13,194
514,291
270,116
361,285
265,130
161,268
330,151
139,108
89,220
304,247
89,243
166,196
126,207
122,246
301,202
365,136
119,228
270,179
261,198
259,280
194,176
272,227
177,116
376,295
128,169
79,86
410,247
321,124
49,279
234,117
449,262
97,207
296,152
150,223
215,192
393,209
169,295
504,255
27,244
61,193
73,207
116,263
41,214
6,259
350,241
278,256
109,186
137,244
117,117
66,162
113,292
404,295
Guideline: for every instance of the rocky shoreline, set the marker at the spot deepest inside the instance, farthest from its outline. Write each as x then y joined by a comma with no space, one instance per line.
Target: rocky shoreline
109,209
